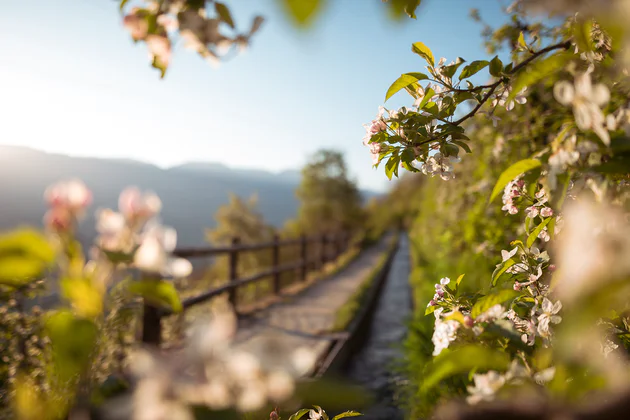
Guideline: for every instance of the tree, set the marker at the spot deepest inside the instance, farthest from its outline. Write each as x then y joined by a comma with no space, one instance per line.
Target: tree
240,219
330,201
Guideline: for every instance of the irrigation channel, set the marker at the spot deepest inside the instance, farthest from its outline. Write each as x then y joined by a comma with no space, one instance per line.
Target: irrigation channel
373,367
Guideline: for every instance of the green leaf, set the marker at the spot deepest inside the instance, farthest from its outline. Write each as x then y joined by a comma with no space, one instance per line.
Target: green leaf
400,7
521,41
429,310
298,415
72,342
473,68
424,52
224,13
462,145
489,301
462,360
85,297
428,94
122,4
157,292
512,172
539,70
324,415
449,71
459,280
501,269
347,414
408,156
403,81
25,255
302,11
532,237
496,66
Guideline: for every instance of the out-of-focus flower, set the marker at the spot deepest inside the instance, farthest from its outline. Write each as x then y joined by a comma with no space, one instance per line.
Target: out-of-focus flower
548,315
137,25
485,386
159,48
586,100
512,191
444,332
153,254
138,207
594,247
502,100
67,201
495,312
72,195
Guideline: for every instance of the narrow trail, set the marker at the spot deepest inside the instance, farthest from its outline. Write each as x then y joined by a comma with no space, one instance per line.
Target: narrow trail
373,367
300,320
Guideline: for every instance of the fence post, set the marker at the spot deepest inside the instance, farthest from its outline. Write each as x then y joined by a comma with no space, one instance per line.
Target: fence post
304,256
323,251
337,241
233,271
275,257
151,325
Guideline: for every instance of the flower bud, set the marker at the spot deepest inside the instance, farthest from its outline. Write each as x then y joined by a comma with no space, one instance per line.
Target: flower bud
468,321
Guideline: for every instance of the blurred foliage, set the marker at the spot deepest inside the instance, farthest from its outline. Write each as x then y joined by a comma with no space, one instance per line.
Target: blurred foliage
329,200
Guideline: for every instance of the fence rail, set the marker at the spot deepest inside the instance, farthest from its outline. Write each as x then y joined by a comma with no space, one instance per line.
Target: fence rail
329,245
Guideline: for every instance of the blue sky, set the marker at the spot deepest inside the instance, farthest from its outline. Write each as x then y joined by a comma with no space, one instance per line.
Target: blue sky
72,81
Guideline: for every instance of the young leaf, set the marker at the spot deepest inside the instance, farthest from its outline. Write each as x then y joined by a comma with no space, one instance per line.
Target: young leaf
473,68
532,237
72,343
496,66
428,94
459,280
224,13
302,11
403,81
298,415
391,166
501,269
512,172
462,360
429,310
489,301
158,292
462,145
347,414
24,256
537,71
423,51
521,41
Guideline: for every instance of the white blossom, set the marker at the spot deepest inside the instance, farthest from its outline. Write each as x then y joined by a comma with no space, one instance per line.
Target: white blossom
586,100
485,386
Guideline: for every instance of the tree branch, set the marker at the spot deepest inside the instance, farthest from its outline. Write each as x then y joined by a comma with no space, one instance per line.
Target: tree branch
562,45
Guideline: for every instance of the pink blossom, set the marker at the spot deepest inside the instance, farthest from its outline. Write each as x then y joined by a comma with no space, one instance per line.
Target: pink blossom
546,212
138,207
72,195
58,219
159,47
137,26
532,211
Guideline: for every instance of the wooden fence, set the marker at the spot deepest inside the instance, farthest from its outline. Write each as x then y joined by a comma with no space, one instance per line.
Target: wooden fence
330,247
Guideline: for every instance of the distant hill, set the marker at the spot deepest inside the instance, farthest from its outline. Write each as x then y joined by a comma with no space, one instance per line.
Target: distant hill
191,193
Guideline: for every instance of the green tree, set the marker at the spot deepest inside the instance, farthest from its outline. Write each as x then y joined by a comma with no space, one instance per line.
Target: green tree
329,199
241,219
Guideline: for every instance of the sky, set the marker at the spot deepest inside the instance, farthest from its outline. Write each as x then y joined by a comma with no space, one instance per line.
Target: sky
73,82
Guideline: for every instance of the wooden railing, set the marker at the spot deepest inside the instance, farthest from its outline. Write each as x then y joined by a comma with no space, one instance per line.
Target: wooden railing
330,247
